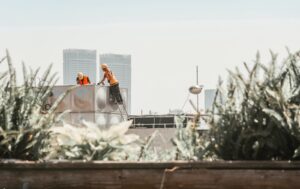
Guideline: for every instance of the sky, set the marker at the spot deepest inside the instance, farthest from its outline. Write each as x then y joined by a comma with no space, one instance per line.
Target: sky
166,39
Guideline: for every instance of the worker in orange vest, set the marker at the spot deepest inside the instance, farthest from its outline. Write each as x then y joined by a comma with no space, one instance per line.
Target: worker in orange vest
82,79
114,89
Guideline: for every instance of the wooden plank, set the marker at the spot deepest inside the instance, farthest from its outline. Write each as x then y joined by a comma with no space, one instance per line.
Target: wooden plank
9,164
213,179
61,179
149,175
243,179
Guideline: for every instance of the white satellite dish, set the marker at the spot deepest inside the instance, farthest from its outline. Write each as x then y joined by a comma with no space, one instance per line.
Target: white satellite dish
196,89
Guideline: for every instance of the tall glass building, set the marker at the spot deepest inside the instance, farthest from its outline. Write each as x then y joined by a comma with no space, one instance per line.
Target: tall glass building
79,60
120,65
209,96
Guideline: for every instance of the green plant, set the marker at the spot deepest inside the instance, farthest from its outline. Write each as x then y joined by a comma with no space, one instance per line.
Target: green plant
90,142
23,121
150,152
189,144
257,117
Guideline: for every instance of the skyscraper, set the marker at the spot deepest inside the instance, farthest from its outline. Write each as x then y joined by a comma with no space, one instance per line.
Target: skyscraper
79,60
121,67
209,96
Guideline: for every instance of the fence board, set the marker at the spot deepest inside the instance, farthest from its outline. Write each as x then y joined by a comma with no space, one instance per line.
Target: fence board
149,175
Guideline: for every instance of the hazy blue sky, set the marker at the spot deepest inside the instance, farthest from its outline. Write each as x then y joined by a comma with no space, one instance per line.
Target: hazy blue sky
166,39
82,12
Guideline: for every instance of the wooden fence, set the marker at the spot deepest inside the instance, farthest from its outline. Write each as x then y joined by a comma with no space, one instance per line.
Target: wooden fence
147,175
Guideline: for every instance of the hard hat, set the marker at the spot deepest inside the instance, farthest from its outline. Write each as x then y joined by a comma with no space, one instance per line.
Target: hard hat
104,66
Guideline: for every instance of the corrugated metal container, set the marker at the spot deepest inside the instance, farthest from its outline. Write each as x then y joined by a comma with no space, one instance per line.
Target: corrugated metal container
90,103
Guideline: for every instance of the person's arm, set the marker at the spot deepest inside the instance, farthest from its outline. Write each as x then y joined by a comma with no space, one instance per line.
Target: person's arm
102,81
77,81
88,80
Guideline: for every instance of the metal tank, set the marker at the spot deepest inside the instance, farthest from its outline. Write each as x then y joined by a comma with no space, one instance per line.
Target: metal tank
90,103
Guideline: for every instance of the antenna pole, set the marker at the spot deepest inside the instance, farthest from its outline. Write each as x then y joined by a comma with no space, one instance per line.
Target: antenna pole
197,82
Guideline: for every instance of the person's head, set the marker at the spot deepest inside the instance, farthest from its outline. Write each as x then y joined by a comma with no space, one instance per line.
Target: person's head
80,75
104,67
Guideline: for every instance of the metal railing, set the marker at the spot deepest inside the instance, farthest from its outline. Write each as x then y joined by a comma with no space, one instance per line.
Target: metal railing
155,125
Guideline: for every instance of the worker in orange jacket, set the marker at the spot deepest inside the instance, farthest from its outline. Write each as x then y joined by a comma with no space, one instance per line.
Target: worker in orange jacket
82,79
114,89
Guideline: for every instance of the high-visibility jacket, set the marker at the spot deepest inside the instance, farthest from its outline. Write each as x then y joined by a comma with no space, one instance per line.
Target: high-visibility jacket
84,81
112,80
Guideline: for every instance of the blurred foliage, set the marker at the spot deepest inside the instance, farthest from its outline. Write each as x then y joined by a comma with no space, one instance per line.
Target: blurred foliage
151,152
188,142
90,142
257,117
23,120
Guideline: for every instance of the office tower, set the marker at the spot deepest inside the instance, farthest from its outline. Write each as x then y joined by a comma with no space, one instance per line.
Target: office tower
209,95
79,60
120,65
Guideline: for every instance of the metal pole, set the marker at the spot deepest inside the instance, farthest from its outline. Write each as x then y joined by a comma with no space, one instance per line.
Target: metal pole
197,81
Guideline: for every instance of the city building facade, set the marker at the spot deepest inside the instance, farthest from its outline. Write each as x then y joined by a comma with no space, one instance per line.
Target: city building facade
209,96
79,60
